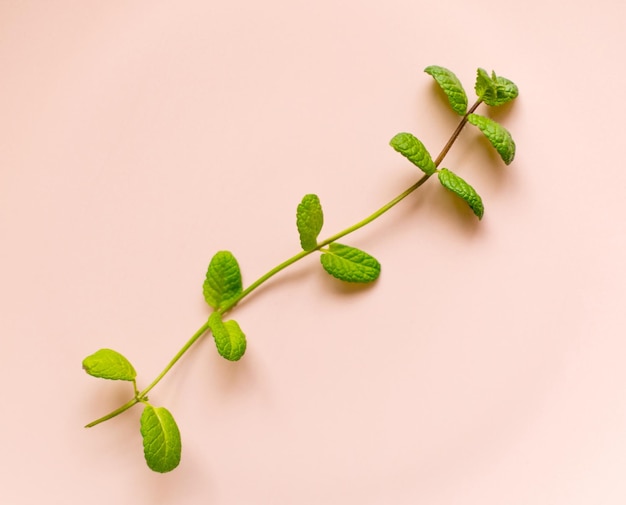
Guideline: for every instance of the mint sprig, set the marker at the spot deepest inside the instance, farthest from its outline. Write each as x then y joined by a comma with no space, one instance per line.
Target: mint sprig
223,287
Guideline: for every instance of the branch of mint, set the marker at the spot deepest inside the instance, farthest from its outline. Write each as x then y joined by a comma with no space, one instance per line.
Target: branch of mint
223,288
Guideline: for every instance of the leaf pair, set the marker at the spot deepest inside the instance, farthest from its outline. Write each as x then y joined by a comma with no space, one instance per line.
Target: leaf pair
222,287
343,262
412,149
161,437
494,91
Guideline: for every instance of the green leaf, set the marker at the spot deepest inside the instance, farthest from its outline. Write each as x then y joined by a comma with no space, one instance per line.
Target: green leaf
494,90
309,219
412,149
485,88
109,364
451,86
161,439
229,339
350,264
499,136
461,188
505,90
223,280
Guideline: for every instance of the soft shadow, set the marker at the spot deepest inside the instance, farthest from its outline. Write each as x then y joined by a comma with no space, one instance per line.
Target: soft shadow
343,288
500,112
481,152
438,95
230,377
458,213
189,479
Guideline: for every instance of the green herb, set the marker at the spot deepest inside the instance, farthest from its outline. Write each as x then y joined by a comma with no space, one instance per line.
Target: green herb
223,287
451,86
309,220
109,364
223,280
349,263
459,187
161,439
229,339
413,150
499,136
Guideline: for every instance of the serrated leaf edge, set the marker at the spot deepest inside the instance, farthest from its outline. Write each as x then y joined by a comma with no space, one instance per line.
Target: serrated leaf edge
334,251
460,187
416,152
223,330
122,360
445,76
309,221
218,290
499,137
174,447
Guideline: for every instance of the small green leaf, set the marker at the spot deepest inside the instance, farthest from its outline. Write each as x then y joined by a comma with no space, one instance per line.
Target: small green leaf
412,149
229,339
461,188
350,264
494,90
161,439
485,88
309,219
451,86
109,364
497,134
505,90
223,280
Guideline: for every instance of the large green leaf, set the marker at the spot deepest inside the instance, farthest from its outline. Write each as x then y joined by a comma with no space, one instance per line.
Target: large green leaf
411,148
109,364
161,439
309,219
451,86
458,186
229,339
497,134
350,264
223,280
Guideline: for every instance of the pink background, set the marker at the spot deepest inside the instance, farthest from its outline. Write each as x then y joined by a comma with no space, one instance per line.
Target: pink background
485,367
